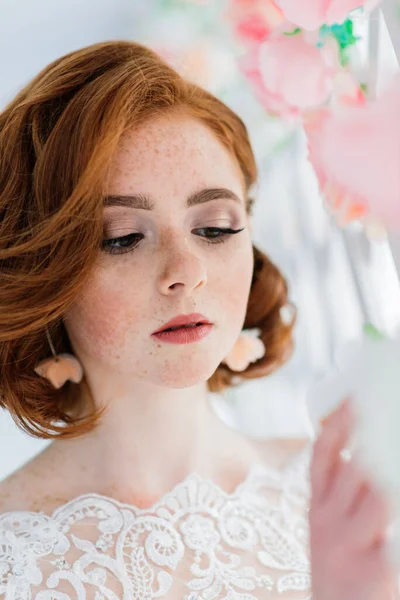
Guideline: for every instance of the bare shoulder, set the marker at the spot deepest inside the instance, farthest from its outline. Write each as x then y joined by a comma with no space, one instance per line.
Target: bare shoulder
278,452
26,488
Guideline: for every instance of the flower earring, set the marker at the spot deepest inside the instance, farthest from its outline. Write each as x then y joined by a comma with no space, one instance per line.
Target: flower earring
59,367
247,349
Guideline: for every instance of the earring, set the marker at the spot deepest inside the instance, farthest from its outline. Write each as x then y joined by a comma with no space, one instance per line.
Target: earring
59,367
247,348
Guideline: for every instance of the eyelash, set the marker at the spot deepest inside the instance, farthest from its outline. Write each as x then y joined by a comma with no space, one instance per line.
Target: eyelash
220,240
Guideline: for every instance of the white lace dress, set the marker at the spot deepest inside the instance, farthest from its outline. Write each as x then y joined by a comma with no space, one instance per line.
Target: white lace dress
196,543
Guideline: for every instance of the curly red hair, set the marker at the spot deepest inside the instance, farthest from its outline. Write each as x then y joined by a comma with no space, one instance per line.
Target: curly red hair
57,138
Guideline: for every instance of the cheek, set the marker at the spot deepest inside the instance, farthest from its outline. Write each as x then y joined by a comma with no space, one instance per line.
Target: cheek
105,322
234,288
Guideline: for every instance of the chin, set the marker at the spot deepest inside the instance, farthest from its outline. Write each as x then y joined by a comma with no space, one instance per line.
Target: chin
182,378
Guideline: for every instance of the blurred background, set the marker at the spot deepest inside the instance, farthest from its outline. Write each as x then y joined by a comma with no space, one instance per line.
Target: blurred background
338,279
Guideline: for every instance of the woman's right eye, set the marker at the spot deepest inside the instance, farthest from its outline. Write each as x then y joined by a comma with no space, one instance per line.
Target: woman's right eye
127,244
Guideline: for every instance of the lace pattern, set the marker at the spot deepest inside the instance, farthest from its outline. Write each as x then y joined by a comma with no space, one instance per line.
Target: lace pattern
196,543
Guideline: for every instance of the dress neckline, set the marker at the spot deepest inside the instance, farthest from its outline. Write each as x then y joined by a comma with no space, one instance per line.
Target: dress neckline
256,467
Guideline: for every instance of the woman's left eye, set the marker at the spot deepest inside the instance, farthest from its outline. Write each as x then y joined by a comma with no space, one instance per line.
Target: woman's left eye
106,246
222,234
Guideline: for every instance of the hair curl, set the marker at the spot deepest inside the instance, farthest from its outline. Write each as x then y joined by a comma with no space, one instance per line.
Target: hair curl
57,138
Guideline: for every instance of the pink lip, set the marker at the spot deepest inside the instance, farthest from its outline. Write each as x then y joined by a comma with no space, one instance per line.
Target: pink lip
185,336
191,319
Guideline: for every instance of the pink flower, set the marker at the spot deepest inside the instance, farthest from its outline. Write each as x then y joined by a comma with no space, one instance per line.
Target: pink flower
253,20
356,156
289,74
252,28
311,14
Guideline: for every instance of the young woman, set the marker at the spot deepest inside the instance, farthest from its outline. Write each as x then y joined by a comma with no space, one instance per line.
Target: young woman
125,211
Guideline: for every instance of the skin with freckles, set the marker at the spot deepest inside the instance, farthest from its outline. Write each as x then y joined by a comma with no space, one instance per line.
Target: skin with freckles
172,270
159,425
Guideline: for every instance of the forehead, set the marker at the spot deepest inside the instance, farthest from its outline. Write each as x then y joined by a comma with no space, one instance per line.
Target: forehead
174,148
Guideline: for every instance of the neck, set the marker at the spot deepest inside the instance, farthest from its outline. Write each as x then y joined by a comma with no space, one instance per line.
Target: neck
149,440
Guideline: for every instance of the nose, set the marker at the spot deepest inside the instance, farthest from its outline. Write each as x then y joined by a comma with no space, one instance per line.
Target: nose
182,269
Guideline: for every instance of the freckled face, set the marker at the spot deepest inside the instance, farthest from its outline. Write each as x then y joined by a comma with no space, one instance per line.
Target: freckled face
172,267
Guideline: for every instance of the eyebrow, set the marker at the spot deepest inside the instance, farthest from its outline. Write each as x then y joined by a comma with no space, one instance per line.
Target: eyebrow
145,203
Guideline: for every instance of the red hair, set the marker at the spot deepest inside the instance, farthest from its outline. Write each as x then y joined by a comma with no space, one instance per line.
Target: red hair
57,139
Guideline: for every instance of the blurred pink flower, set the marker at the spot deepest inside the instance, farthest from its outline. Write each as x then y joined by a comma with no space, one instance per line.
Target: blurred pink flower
253,20
311,14
252,28
289,74
355,152
345,207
